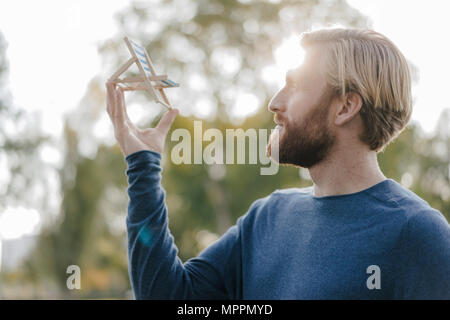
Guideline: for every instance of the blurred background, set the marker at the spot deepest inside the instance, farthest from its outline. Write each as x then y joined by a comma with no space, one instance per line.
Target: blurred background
63,185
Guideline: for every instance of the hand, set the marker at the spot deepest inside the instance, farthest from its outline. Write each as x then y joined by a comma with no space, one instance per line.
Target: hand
131,139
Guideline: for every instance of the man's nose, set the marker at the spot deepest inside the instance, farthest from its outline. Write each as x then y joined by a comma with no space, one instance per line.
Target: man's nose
276,104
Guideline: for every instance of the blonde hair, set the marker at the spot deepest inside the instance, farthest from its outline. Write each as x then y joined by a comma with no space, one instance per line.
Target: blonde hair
366,62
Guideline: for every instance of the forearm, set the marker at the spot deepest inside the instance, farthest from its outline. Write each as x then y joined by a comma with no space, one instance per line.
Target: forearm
152,253
156,272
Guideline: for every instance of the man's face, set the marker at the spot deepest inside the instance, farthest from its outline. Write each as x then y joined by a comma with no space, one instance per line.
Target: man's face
301,110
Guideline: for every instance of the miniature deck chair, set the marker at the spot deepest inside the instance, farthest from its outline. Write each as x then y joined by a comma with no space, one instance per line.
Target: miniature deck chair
148,79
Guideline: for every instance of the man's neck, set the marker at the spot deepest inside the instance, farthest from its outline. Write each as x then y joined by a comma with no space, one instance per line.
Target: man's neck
346,171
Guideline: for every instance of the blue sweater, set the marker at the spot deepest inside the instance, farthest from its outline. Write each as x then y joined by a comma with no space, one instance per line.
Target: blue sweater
380,243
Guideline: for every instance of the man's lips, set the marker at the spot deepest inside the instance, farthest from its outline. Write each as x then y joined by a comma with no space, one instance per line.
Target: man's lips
278,121
279,126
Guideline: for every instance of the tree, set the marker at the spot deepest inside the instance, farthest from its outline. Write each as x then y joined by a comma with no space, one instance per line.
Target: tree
215,49
421,163
20,139
194,37
23,171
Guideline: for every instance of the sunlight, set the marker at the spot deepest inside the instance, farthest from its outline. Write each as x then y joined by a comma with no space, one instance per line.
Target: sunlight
245,105
16,222
204,107
288,55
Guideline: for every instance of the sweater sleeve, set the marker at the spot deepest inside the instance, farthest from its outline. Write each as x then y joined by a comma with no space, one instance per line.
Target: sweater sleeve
156,271
424,271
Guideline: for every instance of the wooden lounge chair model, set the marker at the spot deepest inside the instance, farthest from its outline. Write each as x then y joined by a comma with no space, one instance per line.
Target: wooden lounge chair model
148,79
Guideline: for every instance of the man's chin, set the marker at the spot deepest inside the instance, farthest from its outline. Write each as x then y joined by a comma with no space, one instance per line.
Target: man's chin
273,146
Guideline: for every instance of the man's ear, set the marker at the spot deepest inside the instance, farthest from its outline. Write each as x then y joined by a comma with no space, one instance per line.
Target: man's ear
348,108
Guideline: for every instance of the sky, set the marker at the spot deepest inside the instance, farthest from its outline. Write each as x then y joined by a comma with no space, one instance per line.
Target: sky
56,29
52,54
420,29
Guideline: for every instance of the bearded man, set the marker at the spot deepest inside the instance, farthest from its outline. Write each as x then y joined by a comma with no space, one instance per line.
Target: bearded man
354,234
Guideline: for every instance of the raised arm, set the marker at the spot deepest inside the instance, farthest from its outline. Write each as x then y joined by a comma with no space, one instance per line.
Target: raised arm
156,272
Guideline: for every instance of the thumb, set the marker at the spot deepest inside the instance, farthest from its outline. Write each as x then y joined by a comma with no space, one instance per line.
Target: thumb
167,120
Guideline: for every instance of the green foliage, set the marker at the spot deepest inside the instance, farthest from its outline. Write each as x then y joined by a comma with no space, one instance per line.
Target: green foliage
422,163
189,36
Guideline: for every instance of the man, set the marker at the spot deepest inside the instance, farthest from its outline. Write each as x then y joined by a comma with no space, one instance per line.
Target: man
354,234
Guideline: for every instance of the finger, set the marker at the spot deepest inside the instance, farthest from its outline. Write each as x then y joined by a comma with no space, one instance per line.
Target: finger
123,110
110,98
121,104
123,107
119,120
166,121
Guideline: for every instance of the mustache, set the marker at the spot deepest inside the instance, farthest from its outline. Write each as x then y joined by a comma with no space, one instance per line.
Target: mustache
279,119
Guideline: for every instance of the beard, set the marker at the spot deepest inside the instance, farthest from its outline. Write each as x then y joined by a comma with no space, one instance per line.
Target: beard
306,143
